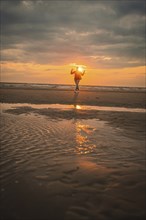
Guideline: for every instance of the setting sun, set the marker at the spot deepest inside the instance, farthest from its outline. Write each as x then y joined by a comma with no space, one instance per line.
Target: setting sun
81,69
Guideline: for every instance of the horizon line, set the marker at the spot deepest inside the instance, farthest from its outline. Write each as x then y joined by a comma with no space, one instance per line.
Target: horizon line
71,84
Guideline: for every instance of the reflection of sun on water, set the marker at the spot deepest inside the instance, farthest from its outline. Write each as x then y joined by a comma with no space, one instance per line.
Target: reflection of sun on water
78,107
84,144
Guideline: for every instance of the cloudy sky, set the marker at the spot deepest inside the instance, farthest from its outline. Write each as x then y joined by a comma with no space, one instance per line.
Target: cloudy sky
41,39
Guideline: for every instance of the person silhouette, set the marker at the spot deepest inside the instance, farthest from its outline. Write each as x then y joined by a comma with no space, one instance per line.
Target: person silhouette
78,73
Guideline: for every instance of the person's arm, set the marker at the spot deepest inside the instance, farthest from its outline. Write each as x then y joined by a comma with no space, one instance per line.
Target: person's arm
83,72
72,71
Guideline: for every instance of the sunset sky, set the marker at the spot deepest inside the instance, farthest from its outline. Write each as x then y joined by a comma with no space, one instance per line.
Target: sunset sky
41,39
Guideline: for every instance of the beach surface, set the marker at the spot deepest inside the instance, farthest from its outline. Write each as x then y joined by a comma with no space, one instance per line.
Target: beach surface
63,157
85,97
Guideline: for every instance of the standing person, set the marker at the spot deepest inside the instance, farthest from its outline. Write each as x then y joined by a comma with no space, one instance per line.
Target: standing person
78,73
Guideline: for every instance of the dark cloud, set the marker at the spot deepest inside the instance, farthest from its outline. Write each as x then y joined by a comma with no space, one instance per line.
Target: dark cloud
129,7
43,31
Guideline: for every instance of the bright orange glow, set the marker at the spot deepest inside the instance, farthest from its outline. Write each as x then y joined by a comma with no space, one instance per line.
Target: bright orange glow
60,74
80,69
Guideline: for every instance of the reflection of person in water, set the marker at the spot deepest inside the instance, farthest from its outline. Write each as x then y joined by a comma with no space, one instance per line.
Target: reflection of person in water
78,73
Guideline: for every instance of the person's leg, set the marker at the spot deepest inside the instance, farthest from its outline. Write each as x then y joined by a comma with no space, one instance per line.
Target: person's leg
77,84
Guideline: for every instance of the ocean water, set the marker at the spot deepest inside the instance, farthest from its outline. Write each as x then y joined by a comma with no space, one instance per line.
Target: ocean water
65,107
69,87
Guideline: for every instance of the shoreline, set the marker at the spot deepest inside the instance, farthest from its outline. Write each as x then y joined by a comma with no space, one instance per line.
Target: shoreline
68,87
84,97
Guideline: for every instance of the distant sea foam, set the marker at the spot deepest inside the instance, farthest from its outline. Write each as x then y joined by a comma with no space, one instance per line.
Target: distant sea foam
71,87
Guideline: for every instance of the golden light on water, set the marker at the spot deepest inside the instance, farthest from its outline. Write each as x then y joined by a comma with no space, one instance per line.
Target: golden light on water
84,144
78,107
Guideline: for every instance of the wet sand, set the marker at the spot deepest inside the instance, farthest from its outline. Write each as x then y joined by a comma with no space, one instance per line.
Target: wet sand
100,98
73,164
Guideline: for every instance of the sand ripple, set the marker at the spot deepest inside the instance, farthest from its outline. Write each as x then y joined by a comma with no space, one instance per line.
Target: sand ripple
77,168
